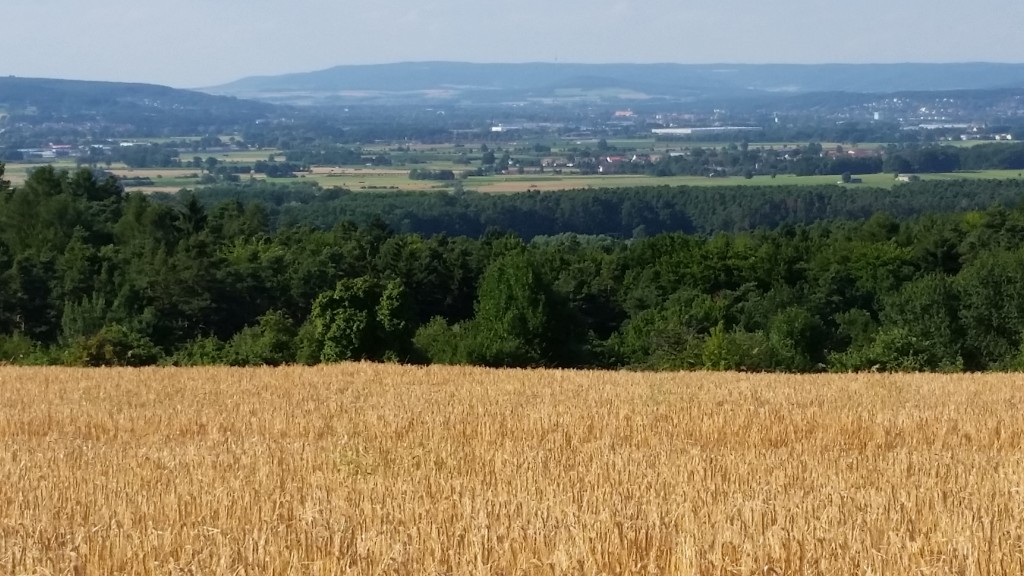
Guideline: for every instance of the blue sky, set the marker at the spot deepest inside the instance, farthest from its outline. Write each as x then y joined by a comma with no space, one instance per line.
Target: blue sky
194,43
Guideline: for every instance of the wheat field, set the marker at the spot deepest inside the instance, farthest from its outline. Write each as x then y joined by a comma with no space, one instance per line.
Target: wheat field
382,469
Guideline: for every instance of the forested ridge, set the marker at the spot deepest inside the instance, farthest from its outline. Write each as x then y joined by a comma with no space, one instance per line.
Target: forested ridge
92,276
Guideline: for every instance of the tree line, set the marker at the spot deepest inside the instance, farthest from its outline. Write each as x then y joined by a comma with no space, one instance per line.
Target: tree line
92,276
623,213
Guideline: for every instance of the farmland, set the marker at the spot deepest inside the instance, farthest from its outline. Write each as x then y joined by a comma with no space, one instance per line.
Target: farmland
360,469
549,165
375,179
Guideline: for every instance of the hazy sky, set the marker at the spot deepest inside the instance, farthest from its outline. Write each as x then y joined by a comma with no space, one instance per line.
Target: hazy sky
194,43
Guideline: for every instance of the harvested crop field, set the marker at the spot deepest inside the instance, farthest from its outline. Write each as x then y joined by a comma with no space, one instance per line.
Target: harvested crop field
382,469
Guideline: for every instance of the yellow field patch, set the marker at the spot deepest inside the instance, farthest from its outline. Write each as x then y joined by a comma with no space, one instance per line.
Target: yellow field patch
155,189
154,173
370,469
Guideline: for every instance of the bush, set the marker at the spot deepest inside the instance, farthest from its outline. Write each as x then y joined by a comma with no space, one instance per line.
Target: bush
737,350
199,352
438,343
114,345
269,343
20,349
894,349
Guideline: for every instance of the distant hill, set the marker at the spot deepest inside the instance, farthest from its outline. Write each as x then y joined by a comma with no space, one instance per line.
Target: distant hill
129,109
485,83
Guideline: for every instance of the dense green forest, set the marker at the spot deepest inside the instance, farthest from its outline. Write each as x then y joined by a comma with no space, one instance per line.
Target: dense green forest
92,276
621,213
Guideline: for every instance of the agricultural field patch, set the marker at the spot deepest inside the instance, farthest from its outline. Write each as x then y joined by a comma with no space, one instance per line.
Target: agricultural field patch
385,469
241,156
154,173
506,184
16,173
365,182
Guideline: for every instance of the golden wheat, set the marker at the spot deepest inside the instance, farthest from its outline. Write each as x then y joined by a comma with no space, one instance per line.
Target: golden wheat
369,469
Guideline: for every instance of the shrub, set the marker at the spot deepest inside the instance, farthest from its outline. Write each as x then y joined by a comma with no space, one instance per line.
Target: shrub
114,345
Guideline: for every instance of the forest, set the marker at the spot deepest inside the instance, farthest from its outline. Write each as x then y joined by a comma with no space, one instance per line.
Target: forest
929,276
617,212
